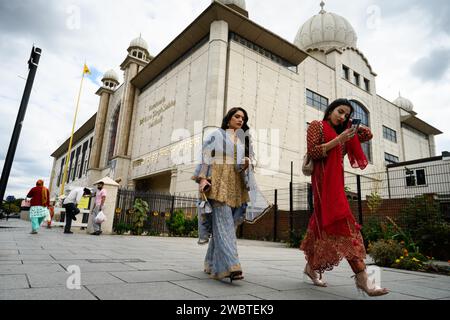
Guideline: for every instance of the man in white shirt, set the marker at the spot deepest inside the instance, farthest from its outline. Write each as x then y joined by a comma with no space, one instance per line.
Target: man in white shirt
70,204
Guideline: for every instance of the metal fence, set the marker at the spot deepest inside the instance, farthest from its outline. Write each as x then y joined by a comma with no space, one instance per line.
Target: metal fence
393,193
161,208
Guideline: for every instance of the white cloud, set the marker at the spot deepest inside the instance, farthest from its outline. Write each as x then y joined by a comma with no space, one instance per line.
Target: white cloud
71,32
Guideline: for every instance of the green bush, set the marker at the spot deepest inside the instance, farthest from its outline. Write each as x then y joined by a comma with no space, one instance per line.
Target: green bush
433,239
176,223
179,226
374,230
122,228
296,238
385,252
412,262
427,227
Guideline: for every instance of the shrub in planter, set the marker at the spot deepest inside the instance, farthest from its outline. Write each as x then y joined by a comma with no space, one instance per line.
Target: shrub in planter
413,261
122,228
374,230
385,252
176,224
433,239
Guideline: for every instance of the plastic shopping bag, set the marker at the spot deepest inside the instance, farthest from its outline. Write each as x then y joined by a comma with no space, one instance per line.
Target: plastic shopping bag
100,218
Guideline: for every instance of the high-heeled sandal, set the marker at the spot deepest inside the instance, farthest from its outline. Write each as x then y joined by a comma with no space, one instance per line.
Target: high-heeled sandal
365,286
236,276
314,278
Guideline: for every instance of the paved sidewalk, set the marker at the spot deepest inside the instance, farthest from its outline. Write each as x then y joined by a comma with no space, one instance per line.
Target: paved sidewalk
121,267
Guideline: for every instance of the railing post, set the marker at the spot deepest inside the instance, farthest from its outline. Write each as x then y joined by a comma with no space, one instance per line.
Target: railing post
360,211
291,201
275,217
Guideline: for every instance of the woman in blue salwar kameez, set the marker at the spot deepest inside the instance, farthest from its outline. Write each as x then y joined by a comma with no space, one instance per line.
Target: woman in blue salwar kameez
228,187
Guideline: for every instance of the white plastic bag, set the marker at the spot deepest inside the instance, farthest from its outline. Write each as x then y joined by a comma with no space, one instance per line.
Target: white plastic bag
100,218
48,217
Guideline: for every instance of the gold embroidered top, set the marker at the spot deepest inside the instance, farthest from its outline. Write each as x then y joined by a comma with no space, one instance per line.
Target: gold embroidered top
227,186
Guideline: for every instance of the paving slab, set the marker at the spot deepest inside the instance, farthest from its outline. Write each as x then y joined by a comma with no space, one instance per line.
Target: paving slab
47,294
150,276
13,281
144,291
215,289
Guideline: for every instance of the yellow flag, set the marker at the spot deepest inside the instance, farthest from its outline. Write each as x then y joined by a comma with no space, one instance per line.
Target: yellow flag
86,69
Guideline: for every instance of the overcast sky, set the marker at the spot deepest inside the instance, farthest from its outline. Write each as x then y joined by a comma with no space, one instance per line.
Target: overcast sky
407,42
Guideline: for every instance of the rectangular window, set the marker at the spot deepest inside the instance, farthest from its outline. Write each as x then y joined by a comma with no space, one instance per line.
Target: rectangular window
367,149
77,164
391,159
316,100
357,79
83,160
60,177
69,170
389,134
367,84
345,72
415,177
89,156
269,55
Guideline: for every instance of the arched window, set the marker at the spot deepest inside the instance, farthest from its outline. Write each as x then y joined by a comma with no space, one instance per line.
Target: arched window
140,55
113,135
362,113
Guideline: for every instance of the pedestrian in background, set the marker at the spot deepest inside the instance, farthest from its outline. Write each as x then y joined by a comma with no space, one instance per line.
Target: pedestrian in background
40,201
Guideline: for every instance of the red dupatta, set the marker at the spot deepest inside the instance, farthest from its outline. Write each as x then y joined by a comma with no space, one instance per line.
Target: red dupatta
335,209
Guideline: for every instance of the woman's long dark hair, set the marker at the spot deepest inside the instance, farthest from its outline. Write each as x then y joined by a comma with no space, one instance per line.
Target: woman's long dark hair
337,103
245,128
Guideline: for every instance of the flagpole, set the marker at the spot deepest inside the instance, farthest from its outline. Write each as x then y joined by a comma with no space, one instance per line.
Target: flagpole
71,137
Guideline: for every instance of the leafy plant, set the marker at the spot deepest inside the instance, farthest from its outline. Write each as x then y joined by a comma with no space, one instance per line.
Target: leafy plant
141,209
385,252
122,228
374,201
410,261
296,238
176,223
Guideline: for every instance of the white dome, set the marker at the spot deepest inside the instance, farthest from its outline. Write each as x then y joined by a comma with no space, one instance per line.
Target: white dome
404,103
238,3
139,42
326,31
110,75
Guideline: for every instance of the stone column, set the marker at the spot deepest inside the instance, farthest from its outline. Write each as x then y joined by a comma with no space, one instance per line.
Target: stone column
109,210
126,112
216,78
432,144
105,94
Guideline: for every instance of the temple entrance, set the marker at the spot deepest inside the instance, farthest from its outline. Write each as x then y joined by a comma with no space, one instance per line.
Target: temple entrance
159,183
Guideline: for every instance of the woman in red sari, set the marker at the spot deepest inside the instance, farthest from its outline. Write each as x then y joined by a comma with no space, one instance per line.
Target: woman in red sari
333,234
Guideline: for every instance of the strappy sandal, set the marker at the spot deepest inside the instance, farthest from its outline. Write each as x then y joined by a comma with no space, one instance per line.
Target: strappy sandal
236,276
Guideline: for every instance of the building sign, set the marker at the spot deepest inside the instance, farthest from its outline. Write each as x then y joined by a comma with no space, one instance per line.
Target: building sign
156,111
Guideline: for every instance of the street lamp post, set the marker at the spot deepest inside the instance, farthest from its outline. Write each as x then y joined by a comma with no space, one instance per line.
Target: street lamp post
32,66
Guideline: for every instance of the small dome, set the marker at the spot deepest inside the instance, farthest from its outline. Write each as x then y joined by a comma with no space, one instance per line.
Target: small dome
404,103
139,42
238,3
326,31
111,75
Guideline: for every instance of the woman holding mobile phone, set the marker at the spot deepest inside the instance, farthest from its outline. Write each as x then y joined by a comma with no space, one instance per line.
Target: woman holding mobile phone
221,176
333,234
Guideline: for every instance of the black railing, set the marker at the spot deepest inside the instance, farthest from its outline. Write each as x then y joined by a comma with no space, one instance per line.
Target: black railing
397,193
161,208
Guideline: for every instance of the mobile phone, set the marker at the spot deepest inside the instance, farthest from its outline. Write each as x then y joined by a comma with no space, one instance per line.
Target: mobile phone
356,123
